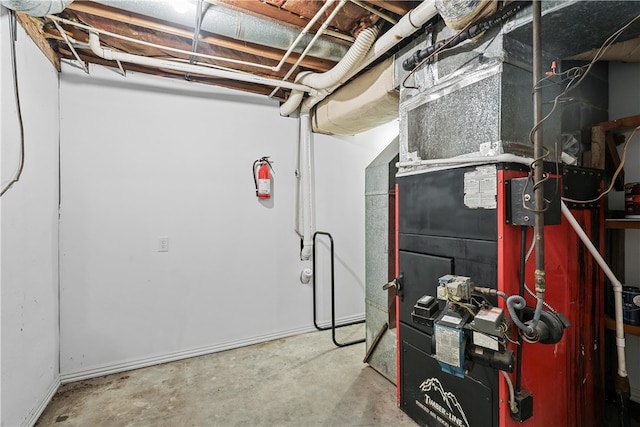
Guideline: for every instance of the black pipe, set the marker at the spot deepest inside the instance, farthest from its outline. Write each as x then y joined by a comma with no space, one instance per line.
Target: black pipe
333,299
471,32
538,150
523,263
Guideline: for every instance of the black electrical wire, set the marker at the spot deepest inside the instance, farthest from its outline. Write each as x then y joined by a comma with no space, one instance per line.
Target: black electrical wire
575,76
468,33
13,32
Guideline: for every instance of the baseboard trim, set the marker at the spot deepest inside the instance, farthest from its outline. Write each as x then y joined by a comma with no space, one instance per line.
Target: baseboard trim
635,394
33,417
119,367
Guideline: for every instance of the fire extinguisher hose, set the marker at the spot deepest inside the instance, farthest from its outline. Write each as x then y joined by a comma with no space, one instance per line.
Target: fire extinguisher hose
255,179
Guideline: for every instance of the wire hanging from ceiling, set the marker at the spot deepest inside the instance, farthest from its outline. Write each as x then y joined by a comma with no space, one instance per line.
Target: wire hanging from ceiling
13,30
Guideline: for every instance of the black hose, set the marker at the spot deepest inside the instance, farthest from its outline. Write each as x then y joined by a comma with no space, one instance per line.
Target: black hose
496,18
255,179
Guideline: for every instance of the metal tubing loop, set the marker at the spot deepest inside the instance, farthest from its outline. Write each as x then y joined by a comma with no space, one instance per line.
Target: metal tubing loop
333,299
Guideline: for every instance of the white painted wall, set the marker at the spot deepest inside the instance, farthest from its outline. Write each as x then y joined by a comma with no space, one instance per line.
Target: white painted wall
29,234
144,157
624,101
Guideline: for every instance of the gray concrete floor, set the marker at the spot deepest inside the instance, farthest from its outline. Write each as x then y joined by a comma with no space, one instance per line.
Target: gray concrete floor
297,381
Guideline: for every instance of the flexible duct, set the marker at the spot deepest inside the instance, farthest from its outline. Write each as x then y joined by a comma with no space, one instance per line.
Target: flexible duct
94,44
362,104
409,24
36,7
337,75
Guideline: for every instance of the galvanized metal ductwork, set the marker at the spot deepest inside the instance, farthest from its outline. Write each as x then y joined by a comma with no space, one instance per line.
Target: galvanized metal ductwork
457,14
227,22
36,7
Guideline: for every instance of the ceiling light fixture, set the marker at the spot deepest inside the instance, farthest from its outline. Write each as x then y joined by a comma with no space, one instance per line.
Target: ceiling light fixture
182,6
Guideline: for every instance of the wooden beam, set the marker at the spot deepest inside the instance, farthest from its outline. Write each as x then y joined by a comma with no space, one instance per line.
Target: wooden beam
229,43
621,125
33,27
277,11
267,10
397,7
612,161
598,144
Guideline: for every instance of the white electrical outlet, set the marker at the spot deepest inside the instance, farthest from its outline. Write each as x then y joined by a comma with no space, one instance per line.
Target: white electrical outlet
163,244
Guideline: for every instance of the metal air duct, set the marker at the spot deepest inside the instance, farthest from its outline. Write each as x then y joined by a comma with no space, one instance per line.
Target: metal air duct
226,22
36,7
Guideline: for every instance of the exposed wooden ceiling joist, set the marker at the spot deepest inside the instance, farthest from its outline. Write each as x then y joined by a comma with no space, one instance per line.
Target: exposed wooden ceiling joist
170,37
33,27
175,42
270,11
399,7
242,86
351,19
154,25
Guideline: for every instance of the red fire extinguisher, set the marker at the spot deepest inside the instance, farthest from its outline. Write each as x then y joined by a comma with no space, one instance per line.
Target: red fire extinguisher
263,178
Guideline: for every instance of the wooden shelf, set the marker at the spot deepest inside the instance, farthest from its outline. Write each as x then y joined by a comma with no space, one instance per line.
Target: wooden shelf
622,223
609,323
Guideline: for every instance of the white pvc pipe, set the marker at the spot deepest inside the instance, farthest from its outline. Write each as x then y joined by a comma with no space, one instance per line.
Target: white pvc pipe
306,169
111,55
617,286
306,275
89,28
617,289
411,22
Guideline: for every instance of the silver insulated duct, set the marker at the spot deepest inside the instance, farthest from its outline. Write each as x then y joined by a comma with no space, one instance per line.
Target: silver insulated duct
36,7
230,23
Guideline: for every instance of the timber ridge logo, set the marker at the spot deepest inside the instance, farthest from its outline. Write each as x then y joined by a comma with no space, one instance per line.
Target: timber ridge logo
452,414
